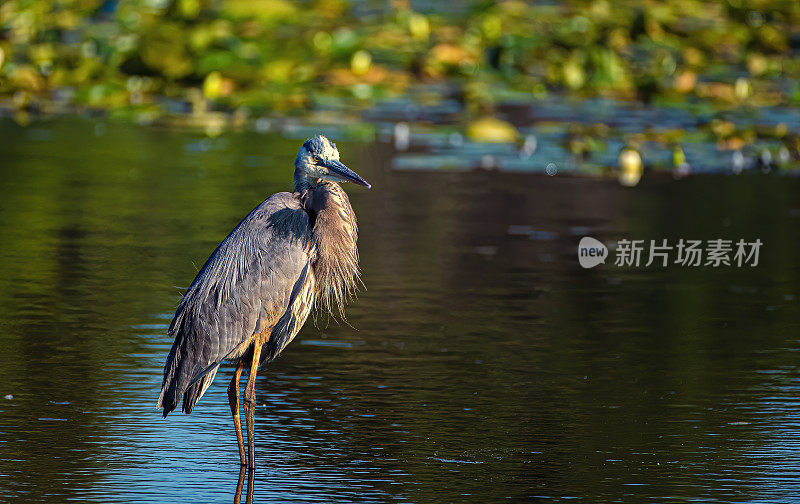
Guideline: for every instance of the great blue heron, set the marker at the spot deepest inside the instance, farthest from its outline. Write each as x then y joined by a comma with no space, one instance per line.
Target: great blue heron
292,252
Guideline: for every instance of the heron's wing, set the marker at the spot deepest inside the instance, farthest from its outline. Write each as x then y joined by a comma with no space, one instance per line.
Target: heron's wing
243,289
289,324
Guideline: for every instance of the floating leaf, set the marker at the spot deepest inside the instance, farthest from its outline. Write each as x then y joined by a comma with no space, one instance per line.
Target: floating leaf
630,167
492,130
360,62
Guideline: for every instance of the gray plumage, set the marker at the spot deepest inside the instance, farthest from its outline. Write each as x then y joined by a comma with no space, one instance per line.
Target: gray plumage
292,252
240,289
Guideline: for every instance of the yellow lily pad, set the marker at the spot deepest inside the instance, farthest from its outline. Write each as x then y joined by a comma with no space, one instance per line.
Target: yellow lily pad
492,130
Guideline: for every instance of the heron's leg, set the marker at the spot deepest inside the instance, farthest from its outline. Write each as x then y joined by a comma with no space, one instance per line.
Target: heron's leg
250,401
233,400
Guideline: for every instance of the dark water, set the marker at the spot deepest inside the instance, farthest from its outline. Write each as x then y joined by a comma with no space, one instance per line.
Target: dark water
483,363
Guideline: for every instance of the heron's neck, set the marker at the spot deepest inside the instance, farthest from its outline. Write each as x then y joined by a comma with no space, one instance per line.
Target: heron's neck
301,181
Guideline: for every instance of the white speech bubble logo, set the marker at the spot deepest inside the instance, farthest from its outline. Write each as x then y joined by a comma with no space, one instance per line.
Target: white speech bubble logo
591,252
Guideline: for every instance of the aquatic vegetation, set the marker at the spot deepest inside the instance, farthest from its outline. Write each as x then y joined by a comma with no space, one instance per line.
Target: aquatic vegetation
279,54
714,71
490,129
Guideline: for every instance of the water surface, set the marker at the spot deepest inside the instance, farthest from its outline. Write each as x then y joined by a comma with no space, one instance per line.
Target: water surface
481,363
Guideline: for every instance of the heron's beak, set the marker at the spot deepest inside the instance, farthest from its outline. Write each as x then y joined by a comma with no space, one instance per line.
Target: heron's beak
345,173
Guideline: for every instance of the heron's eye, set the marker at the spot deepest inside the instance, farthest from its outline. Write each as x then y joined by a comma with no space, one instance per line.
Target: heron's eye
316,159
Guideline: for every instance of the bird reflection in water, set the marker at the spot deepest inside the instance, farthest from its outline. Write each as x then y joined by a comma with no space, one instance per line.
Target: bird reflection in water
237,497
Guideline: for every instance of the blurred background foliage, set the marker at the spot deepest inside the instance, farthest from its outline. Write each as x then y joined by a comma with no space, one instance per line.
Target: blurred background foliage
195,55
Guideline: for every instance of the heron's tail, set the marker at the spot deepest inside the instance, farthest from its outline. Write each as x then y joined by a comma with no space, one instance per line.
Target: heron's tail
196,390
171,391
178,369
175,385
184,376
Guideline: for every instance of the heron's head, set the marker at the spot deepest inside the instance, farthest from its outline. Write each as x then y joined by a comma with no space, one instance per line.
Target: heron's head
318,159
